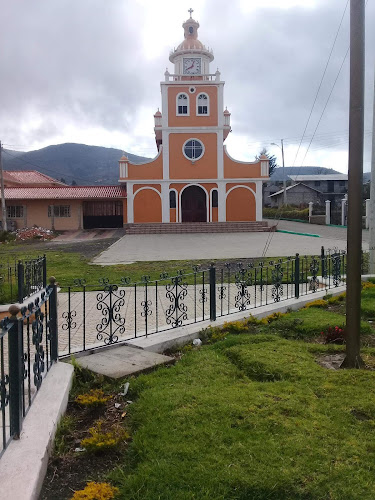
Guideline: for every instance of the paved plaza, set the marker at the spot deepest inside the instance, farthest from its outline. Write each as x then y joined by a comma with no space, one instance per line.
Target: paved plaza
163,247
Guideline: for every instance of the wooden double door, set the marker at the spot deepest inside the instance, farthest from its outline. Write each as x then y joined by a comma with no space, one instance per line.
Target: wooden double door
194,205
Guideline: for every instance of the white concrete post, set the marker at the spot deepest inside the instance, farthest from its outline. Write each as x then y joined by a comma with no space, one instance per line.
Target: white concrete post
130,203
328,212
165,202
311,204
343,210
367,214
221,191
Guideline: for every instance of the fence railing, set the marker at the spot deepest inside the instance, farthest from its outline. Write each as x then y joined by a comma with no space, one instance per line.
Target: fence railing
28,346
95,315
22,278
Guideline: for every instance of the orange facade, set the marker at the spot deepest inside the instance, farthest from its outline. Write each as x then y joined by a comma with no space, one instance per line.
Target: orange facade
193,178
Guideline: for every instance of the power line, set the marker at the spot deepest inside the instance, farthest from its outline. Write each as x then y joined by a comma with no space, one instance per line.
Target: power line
321,81
270,236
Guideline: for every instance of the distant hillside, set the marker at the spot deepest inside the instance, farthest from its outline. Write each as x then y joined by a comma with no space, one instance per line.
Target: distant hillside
72,162
278,172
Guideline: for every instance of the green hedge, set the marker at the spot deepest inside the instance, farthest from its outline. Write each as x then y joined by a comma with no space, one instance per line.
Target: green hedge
286,213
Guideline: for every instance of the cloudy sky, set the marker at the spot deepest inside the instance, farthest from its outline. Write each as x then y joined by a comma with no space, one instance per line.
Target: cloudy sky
88,71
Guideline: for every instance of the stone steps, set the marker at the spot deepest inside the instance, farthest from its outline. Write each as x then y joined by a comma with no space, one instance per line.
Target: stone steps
197,227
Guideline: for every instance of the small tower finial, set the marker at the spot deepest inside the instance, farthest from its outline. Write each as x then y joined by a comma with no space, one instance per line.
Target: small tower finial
190,11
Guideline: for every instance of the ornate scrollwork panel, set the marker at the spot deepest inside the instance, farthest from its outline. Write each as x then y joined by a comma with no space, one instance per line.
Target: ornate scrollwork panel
277,287
38,364
110,301
176,291
314,269
243,279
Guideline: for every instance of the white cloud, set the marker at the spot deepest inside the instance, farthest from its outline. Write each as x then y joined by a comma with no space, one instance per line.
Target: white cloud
89,72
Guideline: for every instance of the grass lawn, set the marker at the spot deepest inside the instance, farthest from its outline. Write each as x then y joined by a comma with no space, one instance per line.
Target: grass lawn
68,263
251,415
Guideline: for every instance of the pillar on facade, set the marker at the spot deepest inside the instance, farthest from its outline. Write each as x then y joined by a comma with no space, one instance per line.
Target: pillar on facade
328,212
367,214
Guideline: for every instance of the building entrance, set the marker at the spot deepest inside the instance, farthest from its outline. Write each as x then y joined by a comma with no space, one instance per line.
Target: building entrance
193,205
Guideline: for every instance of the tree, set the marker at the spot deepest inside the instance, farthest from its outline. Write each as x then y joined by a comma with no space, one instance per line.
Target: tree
74,183
271,160
63,180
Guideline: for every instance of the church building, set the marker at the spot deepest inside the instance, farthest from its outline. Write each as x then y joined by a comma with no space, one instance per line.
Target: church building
192,178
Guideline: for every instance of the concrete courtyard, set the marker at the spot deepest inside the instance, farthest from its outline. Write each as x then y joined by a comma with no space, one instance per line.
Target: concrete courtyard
163,247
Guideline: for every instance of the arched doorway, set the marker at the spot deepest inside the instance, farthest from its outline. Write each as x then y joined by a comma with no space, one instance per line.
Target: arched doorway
193,205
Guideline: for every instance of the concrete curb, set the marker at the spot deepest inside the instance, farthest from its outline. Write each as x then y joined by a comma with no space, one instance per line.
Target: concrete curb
160,342
24,463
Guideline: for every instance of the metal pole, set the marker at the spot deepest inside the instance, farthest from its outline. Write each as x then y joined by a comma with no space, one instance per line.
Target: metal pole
3,207
284,179
372,196
355,174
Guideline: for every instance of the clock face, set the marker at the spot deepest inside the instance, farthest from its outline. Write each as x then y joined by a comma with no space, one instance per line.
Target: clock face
192,66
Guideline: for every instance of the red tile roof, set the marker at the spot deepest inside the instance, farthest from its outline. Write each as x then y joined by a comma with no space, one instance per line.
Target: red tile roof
65,192
30,177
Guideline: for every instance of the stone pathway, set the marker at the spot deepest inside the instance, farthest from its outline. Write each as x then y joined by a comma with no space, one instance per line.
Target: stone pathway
122,361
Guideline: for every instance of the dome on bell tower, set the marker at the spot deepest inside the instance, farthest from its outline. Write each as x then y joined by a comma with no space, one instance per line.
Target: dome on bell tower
191,46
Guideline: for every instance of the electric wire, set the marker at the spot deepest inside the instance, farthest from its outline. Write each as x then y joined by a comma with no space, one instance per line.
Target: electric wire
278,216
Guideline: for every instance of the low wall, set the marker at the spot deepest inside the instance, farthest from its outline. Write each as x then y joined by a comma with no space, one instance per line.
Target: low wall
317,219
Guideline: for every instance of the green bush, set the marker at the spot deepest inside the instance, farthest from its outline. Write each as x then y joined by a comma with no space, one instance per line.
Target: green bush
287,212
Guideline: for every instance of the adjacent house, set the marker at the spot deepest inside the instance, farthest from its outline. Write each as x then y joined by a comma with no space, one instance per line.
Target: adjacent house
310,188
33,198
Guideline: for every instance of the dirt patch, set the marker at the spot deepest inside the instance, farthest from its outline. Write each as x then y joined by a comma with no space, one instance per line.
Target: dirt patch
88,249
70,469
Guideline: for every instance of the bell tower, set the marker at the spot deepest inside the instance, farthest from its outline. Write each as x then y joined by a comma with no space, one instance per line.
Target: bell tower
191,57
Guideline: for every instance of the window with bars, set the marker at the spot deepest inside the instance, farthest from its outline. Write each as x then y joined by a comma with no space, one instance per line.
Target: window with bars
203,104
15,212
59,210
182,104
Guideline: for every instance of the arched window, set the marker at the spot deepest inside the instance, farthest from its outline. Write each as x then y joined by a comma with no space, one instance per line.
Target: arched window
215,198
182,104
203,104
172,199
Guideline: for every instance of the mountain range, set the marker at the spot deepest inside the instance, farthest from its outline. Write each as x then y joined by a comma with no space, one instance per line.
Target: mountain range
89,165
71,162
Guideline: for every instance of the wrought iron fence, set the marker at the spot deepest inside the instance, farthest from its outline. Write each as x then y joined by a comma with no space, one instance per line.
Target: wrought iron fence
32,277
94,315
28,346
22,278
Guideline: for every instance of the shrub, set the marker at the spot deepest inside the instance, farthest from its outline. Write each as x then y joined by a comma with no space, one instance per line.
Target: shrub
334,335
96,491
317,303
367,284
93,398
100,440
287,212
6,236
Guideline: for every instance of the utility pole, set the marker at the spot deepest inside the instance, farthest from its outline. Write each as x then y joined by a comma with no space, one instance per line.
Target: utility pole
355,190
284,178
372,196
3,207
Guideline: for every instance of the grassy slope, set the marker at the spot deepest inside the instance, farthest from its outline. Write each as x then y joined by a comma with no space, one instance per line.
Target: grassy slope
252,417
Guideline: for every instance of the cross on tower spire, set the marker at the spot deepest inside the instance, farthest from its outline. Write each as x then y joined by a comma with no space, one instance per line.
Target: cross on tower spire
190,11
